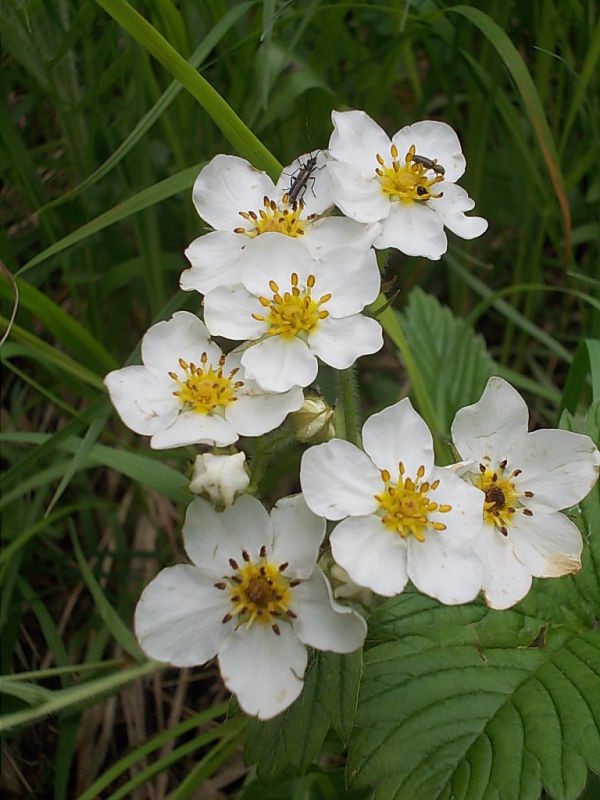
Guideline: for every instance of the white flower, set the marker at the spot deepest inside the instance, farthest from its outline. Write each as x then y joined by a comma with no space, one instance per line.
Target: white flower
241,203
298,308
188,392
407,183
254,597
526,478
402,517
220,478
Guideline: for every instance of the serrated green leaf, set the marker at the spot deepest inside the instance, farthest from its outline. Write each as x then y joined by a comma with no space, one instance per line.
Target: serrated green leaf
453,361
466,705
339,680
293,739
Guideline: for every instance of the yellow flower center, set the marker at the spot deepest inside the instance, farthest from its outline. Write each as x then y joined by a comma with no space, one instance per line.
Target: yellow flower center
205,390
276,218
404,506
502,498
259,592
409,180
293,312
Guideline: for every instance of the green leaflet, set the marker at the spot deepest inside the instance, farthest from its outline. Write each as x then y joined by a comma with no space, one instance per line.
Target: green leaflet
452,359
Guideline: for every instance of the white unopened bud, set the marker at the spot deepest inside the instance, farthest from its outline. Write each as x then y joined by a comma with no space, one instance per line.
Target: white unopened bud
220,478
313,422
345,588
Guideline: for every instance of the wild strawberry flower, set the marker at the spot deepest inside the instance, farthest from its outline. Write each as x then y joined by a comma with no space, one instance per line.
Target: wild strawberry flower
407,183
402,517
188,392
254,597
526,479
241,203
293,308
220,477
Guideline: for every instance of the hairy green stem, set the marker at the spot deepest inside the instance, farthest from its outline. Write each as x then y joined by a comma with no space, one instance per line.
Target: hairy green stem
347,394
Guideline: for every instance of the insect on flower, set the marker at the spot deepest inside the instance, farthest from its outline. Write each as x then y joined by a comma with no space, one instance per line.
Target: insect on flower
428,163
300,181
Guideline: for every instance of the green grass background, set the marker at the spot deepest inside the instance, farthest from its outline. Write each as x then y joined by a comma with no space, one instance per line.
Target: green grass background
99,148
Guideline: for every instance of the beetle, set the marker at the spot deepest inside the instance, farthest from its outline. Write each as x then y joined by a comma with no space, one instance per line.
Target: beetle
428,163
300,181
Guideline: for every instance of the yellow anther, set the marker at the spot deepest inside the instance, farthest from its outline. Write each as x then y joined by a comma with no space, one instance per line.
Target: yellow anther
444,508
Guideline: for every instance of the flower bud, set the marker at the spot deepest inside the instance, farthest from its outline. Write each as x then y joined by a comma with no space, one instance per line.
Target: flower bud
220,478
345,588
313,422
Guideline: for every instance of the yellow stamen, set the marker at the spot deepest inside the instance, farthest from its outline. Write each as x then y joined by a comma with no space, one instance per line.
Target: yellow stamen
404,506
205,390
409,181
295,312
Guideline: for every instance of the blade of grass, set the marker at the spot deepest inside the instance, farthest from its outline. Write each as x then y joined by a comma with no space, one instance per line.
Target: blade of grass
209,764
225,733
143,469
147,197
87,693
77,339
224,117
115,770
113,621
509,312
531,103
22,539
42,351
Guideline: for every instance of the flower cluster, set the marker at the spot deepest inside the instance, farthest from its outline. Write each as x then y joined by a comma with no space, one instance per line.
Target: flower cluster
287,279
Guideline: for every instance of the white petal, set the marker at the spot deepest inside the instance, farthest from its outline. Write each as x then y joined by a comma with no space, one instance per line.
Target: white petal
274,257
277,364
226,186
434,140
142,399
491,425
338,479
549,544
339,342
414,229
215,261
559,467
357,195
464,519
397,434
356,139
450,573
316,195
450,208
371,554
183,336
192,428
506,580
298,534
179,616
323,623
351,277
333,232
228,312
212,537
264,670
255,412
